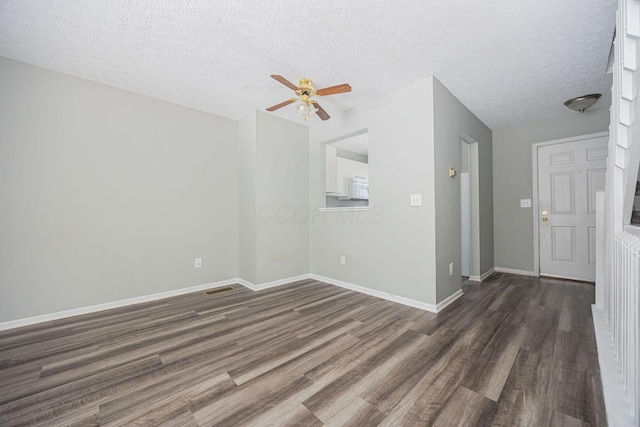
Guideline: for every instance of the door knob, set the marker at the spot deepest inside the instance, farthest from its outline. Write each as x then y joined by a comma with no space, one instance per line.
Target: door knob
544,216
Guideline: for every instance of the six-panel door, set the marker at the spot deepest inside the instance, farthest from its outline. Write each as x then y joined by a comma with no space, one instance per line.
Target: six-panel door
569,175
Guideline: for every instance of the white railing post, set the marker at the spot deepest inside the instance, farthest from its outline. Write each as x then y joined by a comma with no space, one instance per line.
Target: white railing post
600,250
616,312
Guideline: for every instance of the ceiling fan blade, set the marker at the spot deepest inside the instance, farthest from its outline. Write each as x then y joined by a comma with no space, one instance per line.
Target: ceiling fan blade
320,112
334,90
285,82
282,104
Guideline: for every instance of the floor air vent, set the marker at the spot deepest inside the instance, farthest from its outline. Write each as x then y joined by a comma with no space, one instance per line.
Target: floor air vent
215,291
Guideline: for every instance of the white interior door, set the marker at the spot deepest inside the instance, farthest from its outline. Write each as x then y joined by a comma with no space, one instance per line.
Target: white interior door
569,175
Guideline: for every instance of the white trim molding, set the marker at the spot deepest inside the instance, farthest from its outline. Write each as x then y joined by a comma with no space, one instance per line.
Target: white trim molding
448,300
274,283
515,271
237,281
145,298
390,297
474,187
113,304
616,402
616,316
483,276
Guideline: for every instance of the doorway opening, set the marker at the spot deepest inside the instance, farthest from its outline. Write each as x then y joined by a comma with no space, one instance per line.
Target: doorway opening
347,171
469,208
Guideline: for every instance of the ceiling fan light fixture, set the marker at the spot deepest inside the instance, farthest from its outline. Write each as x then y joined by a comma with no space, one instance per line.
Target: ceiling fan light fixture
302,109
582,103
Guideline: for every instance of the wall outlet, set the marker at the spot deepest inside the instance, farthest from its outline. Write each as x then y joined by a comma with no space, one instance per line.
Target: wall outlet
415,200
450,269
343,260
198,263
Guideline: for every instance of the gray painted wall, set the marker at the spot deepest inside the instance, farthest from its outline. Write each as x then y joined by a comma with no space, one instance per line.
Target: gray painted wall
282,197
513,180
390,248
247,197
274,196
94,208
450,118
112,195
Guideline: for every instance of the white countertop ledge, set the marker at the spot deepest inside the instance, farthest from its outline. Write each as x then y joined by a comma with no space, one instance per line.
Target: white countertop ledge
345,209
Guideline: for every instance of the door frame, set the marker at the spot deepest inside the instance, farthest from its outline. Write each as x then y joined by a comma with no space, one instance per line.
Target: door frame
474,187
534,205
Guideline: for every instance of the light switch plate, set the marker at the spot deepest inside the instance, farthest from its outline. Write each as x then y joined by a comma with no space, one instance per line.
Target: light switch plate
415,200
525,203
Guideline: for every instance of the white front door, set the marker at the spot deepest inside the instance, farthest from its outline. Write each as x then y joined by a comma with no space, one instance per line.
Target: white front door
569,174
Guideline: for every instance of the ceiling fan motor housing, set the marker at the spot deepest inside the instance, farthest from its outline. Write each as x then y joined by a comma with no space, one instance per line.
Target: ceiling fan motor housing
305,89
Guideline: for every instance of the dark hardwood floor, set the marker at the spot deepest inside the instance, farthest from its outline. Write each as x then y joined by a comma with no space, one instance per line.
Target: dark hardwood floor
513,351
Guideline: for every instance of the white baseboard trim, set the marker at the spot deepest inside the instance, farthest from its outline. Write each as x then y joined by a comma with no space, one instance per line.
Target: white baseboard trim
390,297
153,297
483,276
515,271
616,402
274,283
451,298
109,305
379,294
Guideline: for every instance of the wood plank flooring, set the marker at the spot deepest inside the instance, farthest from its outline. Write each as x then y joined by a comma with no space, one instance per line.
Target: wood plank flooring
513,351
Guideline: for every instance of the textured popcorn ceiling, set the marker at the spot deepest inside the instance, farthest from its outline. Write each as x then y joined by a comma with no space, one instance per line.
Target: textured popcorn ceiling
509,61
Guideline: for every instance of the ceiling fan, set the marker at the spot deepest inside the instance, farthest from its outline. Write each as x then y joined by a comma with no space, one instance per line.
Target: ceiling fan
305,92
